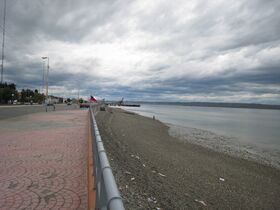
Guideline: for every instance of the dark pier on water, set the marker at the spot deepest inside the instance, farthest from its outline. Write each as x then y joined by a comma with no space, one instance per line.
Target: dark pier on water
131,105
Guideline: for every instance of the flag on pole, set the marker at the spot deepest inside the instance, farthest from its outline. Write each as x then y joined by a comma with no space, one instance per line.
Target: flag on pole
92,99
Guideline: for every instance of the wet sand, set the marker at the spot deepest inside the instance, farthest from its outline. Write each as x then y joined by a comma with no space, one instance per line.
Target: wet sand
154,170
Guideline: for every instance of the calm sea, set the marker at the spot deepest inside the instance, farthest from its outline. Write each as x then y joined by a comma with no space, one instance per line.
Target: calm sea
256,126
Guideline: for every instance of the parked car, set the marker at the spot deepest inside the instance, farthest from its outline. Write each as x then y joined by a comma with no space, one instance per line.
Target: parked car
84,105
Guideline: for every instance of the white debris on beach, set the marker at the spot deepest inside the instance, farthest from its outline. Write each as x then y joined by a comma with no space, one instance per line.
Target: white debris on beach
152,199
127,172
200,201
161,174
135,156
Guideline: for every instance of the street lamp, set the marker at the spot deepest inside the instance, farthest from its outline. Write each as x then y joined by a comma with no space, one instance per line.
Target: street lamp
43,81
47,76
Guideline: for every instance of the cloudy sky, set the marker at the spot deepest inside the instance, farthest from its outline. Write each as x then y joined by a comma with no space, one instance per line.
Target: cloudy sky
160,50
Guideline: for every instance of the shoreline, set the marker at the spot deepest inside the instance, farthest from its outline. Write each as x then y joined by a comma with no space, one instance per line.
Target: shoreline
155,170
231,146
224,143
259,127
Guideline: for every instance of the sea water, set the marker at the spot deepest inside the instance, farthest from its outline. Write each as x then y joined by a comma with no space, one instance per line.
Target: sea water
254,131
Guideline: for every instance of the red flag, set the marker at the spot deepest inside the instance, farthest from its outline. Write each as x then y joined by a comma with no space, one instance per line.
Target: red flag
92,99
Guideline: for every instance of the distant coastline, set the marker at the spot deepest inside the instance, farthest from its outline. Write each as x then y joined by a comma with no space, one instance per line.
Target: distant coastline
215,104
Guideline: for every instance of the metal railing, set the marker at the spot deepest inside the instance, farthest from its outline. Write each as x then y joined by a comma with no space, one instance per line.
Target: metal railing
107,193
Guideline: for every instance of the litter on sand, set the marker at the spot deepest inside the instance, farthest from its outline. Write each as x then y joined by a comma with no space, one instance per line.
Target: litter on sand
222,179
132,179
202,202
144,165
136,156
161,174
152,199
127,172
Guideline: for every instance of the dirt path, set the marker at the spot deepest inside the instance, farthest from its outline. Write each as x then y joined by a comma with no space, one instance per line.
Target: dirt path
154,170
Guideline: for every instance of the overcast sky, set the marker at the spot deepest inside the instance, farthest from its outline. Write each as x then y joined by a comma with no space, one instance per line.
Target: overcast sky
154,50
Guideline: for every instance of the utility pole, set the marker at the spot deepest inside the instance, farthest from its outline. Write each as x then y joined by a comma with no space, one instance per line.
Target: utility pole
3,42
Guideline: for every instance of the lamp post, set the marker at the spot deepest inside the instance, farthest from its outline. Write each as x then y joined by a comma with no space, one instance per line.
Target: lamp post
47,76
43,84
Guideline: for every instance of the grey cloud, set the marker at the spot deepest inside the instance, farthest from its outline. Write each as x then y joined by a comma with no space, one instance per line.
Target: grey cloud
262,83
240,23
164,32
61,20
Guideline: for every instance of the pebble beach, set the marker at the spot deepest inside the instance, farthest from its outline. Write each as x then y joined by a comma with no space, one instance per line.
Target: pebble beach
155,170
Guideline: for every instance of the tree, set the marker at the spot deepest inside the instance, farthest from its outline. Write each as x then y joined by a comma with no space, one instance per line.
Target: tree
12,86
38,97
23,96
8,92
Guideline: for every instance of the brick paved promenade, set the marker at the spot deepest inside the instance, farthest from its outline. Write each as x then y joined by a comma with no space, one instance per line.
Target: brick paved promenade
43,161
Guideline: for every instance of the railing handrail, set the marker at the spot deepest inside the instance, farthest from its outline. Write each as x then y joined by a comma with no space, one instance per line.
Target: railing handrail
107,193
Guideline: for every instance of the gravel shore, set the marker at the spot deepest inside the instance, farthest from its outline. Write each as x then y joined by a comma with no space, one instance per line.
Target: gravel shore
156,171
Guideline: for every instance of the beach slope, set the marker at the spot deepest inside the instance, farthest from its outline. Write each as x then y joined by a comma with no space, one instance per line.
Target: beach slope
154,170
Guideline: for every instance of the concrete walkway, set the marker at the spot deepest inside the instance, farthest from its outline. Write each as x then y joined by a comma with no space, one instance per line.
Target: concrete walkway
43,161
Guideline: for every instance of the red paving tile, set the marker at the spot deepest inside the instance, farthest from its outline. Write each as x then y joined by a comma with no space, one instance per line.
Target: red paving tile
43,161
